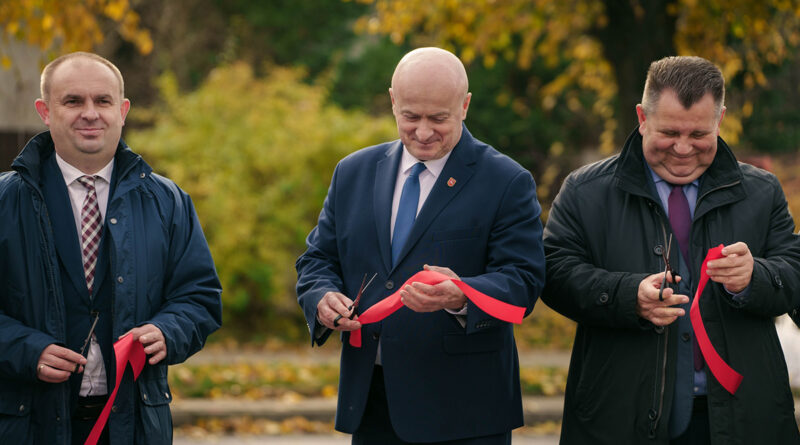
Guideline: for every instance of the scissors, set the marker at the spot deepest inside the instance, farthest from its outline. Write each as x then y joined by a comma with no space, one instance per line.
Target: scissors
88,337
667,268
357,300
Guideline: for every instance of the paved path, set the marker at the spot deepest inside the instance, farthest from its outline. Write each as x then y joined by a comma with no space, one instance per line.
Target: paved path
333,439
330,355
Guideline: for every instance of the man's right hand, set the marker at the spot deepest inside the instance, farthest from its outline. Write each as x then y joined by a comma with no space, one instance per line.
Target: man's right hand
333,304
56,364
649,307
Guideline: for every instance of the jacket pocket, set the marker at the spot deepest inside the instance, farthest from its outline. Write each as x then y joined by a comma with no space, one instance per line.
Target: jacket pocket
473,343
154,423
15,410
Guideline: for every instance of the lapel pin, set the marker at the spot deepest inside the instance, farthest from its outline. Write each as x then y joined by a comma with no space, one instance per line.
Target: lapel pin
451,182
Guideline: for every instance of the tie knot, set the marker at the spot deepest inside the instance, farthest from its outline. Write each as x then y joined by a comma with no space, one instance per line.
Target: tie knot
87,181
417,169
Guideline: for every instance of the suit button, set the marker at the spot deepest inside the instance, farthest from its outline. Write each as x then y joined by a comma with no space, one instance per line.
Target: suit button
21,408
114,408
778,281
144,396
375,336
603,298
113,220
389,284
659,329
120,279
685,336
652,414
658,249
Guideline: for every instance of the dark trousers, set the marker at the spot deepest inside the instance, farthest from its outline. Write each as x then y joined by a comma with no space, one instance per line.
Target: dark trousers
698,432
376,427
85,416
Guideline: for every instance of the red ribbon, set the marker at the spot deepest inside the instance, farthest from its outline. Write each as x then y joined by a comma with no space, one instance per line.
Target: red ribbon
725,375
126,351
382,309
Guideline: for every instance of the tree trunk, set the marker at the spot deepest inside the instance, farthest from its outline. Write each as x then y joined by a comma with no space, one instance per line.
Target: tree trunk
637,33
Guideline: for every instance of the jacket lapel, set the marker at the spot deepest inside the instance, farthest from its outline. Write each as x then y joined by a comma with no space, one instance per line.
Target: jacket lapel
385,178
64,231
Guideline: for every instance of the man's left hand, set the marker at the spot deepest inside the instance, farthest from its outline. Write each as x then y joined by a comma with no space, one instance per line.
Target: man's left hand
153,341
421,297
735,269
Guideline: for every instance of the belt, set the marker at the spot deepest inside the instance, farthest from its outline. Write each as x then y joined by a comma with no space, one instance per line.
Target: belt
89,407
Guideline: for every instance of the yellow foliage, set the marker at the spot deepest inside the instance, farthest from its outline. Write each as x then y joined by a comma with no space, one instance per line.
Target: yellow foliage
62,26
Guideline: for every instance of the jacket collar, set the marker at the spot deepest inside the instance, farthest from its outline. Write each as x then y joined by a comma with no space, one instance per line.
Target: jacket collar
29,163
723,177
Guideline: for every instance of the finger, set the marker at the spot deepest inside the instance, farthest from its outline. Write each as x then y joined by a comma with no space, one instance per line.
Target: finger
442,270
674,299
52,375
58,352
158,357
424,288
346,324
154,348
738,248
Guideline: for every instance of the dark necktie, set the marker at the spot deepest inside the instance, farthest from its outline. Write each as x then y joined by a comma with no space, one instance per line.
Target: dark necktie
90,230
406,211
680,219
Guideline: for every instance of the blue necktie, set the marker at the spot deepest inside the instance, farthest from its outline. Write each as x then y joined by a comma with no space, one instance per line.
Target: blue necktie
406,211
680,219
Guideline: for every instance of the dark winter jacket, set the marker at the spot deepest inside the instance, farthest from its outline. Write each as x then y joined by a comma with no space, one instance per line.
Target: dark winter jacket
605,233
162,274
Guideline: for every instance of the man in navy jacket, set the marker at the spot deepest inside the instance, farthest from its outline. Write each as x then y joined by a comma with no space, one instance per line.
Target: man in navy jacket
142,267
439,369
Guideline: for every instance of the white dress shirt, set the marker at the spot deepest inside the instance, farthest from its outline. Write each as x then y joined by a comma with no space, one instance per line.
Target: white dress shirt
94,381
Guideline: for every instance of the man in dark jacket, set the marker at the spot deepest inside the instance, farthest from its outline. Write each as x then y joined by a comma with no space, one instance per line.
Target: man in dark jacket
94,245
674,192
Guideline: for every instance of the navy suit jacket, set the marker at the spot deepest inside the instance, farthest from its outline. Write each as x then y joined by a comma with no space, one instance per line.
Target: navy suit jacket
482,220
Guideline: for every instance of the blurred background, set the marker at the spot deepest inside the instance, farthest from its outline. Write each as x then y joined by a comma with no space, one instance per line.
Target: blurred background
249,105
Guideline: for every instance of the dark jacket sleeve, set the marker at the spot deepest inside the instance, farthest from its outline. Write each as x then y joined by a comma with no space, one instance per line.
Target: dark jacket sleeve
192,307
515,256
318,269
576,288
776,269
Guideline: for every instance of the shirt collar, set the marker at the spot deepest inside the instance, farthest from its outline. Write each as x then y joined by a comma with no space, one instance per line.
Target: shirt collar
71,174
434,166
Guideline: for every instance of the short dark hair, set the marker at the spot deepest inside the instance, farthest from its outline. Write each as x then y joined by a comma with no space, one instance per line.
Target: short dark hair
690,77
48,71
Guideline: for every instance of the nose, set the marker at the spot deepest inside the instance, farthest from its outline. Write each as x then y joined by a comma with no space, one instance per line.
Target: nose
683,146
89,111
424,131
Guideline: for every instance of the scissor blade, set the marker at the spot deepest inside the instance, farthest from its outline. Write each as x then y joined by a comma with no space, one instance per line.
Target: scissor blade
363,288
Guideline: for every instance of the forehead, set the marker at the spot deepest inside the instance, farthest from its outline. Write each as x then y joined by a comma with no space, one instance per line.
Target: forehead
669,112
83,77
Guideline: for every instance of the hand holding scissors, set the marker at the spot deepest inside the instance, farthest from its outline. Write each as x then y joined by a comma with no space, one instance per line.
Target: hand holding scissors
353,306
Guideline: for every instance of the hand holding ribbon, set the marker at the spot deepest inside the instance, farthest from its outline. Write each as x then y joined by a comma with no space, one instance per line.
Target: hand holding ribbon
727,376
382,309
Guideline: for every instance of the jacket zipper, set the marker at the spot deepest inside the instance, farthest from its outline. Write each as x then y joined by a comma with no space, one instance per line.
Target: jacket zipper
659,388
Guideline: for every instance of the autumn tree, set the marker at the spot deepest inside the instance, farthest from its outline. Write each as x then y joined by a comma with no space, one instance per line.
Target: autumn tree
61,26
601,47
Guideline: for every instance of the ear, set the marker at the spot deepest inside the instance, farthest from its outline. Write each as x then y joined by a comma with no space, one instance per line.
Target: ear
465,106
43,110
721,115
124,107
642,118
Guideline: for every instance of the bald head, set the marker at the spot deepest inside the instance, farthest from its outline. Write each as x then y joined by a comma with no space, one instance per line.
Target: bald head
431,65
430,99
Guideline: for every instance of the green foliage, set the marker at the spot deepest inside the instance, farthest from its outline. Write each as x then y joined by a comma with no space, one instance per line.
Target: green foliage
256,155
